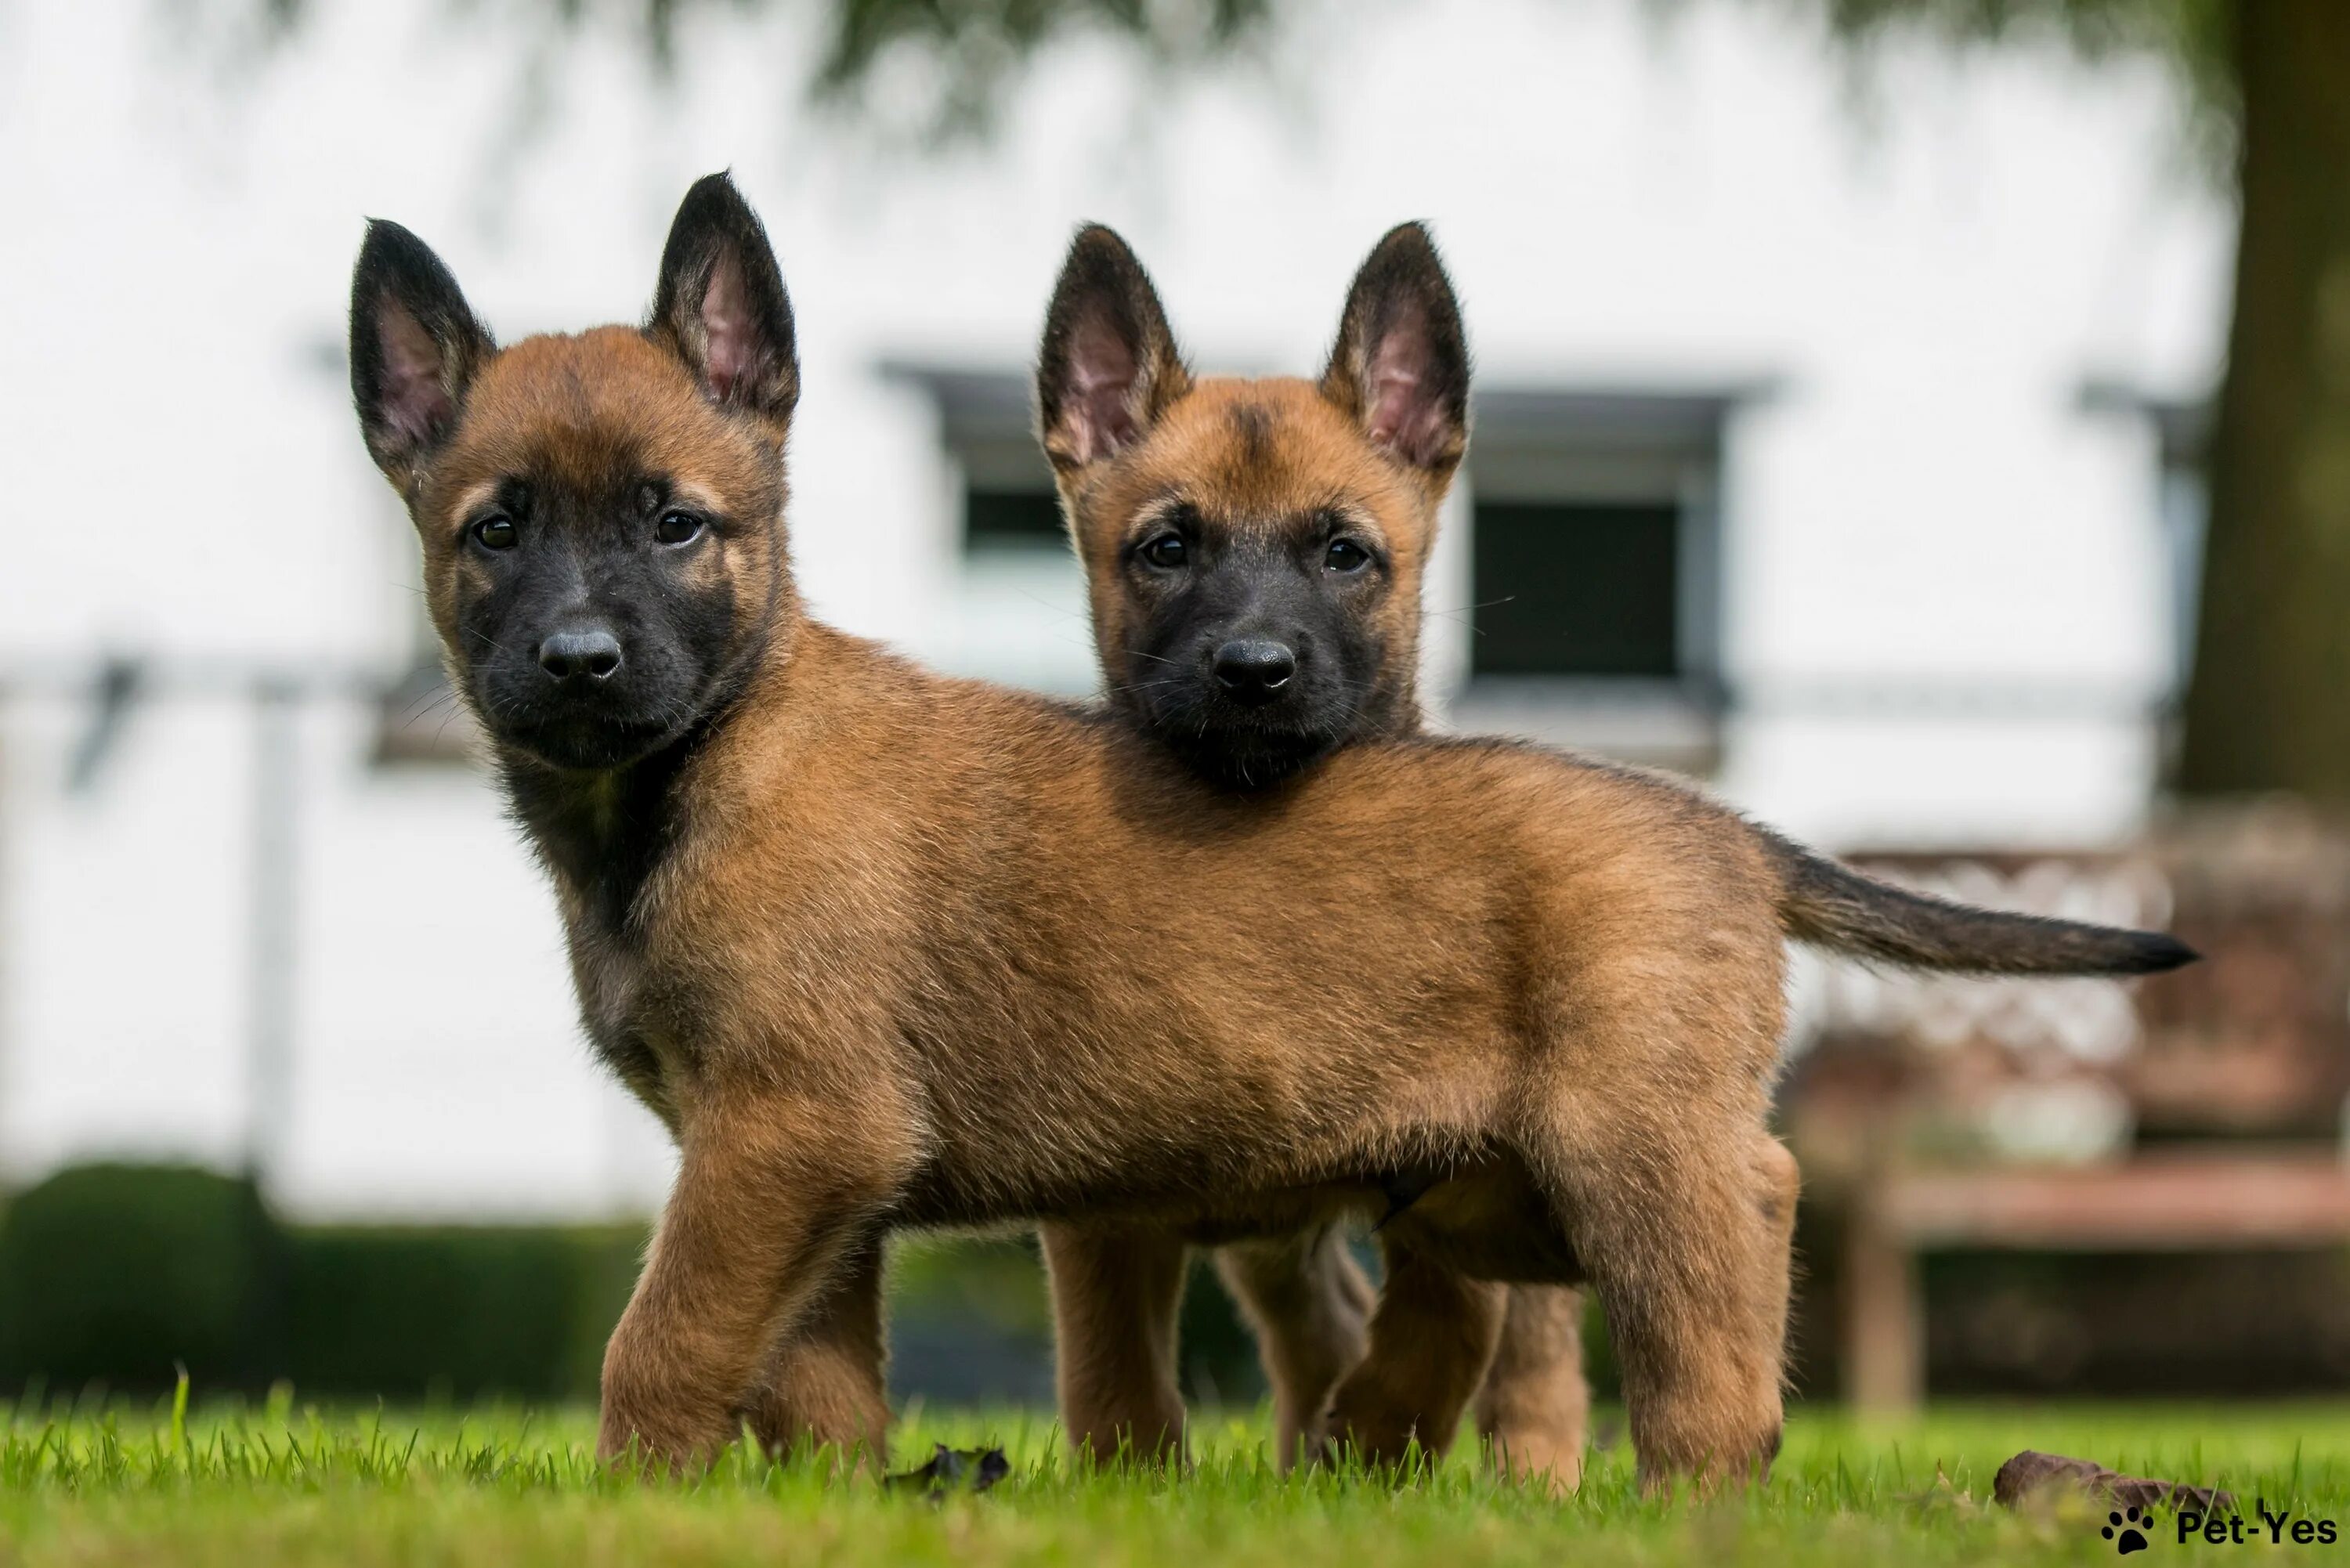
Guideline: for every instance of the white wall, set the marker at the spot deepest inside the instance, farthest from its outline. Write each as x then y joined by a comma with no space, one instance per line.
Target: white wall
1921,509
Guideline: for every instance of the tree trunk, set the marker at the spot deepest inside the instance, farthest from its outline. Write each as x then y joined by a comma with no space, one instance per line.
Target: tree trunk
2269,705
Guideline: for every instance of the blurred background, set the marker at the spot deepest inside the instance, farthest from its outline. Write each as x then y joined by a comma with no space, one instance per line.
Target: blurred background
1926,421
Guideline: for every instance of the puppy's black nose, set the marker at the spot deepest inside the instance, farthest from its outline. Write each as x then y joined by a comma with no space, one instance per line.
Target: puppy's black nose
1255,670
590,655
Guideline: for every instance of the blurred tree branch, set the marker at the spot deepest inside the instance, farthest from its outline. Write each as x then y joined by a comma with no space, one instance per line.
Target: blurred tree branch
2274,645
2194,32
2194,37
982,42
975,48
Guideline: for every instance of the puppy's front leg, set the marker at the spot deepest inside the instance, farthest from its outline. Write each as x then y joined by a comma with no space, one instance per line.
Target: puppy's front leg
772,1200
1115,1289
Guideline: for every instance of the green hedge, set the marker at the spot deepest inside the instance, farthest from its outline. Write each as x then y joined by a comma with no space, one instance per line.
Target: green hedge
455,1310
117,1275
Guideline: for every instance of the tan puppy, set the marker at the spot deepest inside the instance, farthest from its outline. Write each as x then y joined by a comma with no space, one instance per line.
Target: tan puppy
1250,641
886,949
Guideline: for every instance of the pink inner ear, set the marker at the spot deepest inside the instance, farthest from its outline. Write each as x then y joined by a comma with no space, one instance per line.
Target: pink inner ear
1098,415
731,353
1404,415
416,404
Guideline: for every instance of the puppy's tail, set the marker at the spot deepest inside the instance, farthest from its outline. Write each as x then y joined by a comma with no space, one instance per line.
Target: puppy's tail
1829,905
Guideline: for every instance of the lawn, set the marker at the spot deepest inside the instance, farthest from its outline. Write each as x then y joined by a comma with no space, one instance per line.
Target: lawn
290,1485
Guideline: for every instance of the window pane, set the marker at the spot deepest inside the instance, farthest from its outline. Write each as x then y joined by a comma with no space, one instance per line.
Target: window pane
1577,589
1011,519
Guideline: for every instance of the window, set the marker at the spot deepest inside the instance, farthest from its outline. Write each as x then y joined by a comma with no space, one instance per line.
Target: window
2181,430
1591,568
1003,486
1015,606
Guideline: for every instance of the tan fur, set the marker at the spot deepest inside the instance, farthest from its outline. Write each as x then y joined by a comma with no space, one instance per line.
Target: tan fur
928,951
885,948
1116,1290
1261,455
887,977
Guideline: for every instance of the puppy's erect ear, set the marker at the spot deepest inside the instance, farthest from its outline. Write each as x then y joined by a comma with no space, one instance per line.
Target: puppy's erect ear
415,347
1400,367
1108,366
721,306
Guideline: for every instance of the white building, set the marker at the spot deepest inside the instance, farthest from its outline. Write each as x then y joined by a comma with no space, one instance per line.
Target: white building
1799,464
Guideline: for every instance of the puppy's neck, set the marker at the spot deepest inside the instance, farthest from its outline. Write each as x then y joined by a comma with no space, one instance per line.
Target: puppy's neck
602,833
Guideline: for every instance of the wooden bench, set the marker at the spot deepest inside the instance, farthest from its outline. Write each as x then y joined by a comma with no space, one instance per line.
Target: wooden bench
2184,1202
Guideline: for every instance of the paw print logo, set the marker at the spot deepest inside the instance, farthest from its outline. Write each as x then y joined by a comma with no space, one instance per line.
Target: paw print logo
2123,1530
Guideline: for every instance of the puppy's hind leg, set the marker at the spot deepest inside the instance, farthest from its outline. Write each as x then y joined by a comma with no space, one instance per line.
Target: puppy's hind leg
1431,1340
1310,1306
1780,1181
1535,1406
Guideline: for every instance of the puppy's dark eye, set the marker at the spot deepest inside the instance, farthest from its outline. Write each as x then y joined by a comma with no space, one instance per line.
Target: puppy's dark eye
496,532
1166,552
678,528
1345,555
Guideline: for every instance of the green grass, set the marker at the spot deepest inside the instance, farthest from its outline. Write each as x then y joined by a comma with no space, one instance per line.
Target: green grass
257,1488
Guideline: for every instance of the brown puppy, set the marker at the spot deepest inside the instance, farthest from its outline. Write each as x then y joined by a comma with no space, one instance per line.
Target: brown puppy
1250,641
886,949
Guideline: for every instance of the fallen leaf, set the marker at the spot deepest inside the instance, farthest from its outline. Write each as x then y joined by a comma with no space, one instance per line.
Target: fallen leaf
955,1469
2032,1472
